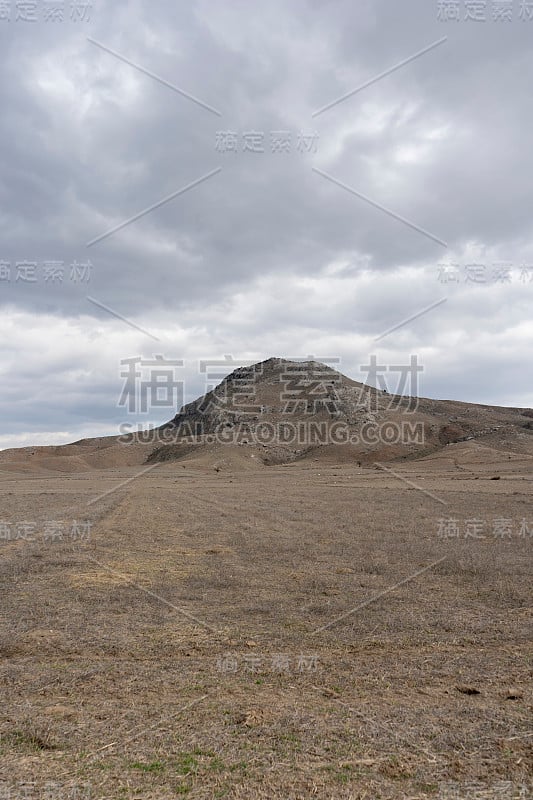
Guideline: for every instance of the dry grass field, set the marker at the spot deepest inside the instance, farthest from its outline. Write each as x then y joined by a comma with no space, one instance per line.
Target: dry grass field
215,628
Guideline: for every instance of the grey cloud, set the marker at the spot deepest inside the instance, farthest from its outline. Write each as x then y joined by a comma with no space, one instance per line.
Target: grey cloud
87,142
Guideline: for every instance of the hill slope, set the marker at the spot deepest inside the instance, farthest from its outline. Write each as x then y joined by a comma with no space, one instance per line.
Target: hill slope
279,411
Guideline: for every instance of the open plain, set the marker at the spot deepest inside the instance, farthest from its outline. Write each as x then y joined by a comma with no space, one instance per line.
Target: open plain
214,627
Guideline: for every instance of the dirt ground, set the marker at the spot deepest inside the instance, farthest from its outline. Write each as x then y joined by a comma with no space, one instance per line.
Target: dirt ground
228,630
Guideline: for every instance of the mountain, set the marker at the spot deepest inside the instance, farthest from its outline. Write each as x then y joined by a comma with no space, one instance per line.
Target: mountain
288,410
279,411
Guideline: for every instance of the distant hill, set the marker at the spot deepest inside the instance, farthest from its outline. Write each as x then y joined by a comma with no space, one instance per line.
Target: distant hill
289,410
279,411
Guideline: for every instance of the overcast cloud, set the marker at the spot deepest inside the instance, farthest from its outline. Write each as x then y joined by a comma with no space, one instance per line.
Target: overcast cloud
266,253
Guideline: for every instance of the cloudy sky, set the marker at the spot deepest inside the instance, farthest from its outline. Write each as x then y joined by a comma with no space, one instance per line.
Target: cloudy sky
203,179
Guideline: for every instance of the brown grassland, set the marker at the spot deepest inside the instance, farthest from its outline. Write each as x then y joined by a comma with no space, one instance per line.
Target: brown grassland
230,630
